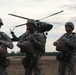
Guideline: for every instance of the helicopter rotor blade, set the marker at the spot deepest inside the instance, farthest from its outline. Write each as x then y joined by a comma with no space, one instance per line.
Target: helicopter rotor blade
52,15
39,19
13,29
19,16
20,25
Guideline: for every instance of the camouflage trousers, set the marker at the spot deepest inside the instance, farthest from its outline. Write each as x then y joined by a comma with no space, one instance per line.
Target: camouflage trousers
32,66
66,66
3,66
3,70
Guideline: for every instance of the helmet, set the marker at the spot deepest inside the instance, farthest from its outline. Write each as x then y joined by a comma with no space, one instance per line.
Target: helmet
32,21
70,24
1,23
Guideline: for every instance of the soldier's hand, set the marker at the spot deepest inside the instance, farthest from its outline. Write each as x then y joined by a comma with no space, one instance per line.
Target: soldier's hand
23,46
54,43
2,50
58,43
12,32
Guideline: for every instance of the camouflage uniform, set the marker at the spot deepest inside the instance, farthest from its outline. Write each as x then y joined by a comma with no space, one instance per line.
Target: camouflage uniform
33,53
68,53
4,62
34,50
5,42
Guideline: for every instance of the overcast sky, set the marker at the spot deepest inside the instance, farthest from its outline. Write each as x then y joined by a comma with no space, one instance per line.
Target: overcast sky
37,9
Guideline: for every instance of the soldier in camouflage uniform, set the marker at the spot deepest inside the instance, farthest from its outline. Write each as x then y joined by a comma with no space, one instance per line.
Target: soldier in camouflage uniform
33,44
66,45
5,42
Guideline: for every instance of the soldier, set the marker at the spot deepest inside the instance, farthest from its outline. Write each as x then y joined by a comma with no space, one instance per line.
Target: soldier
66,45
5,42
33,44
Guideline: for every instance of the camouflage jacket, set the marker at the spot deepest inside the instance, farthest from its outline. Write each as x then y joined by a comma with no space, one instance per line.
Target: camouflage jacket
69,41
37,46
5,41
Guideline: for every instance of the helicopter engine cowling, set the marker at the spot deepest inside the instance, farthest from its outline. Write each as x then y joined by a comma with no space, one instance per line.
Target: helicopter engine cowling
43,27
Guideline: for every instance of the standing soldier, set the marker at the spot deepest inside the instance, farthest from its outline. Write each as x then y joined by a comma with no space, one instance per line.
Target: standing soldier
5,42
66,45
33,44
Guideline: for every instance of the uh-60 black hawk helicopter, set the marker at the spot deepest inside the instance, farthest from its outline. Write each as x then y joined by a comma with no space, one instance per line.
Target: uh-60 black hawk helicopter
42,27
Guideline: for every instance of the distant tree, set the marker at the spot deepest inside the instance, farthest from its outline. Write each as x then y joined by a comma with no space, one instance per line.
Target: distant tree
18,53
50,53
12,53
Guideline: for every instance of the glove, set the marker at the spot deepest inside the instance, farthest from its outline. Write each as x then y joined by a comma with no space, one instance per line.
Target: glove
12,32
23,46
23,49
58,43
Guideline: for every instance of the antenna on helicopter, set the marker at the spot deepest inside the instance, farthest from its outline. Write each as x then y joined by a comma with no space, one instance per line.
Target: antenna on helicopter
51,15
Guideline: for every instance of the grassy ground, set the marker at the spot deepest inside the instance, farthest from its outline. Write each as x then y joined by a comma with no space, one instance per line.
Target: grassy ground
50,66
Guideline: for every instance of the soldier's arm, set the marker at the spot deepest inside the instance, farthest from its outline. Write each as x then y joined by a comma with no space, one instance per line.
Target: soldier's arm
7,41
71,42
15,38
21,40
58,41
40,41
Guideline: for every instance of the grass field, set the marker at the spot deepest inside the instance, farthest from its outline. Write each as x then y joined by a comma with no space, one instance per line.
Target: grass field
50,66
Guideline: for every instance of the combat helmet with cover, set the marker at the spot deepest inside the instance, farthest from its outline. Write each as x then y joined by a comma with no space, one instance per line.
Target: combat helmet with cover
70,24
32,21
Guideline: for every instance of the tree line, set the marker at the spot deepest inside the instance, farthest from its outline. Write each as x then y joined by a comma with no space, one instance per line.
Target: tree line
22,54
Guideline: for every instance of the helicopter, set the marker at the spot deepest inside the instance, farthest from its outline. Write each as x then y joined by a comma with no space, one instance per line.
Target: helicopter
42,27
